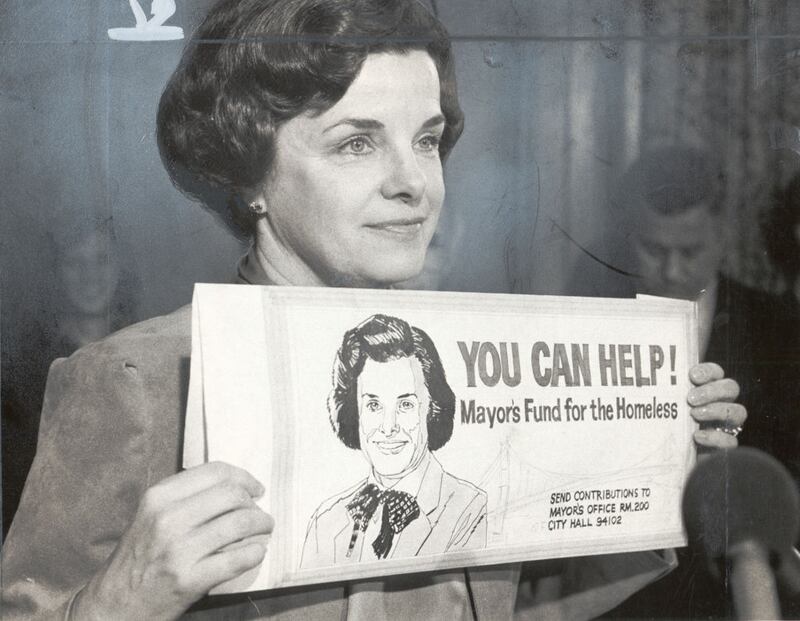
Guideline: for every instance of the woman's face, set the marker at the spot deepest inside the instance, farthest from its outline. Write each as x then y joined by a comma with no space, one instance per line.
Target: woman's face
393,402
89,275
354,193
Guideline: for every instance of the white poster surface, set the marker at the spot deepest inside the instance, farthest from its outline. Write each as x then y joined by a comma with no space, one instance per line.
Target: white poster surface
401,431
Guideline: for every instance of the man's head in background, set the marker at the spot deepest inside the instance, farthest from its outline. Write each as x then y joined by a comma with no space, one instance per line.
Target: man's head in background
671,198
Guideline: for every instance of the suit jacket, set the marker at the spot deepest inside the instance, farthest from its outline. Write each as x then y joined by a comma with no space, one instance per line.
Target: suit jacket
111,427
755,337
452,517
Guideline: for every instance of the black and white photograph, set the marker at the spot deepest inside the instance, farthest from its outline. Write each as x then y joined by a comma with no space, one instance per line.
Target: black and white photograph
244,242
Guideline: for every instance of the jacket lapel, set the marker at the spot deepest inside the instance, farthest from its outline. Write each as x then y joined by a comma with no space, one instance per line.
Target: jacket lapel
414,536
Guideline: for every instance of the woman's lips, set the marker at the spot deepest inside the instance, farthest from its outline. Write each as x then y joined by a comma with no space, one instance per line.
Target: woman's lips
392,447
404,229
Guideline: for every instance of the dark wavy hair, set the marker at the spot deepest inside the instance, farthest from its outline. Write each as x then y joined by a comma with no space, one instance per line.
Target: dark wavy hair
254,64
383,338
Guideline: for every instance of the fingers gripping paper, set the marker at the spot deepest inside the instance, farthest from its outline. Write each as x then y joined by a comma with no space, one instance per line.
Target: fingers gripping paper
405,431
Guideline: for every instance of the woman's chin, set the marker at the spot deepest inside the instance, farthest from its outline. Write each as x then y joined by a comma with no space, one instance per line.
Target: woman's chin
384,274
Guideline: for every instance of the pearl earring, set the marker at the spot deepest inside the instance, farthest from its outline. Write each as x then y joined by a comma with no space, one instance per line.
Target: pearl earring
257,209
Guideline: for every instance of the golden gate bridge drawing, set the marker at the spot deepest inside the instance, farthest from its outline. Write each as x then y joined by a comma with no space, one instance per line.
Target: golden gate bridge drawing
519,491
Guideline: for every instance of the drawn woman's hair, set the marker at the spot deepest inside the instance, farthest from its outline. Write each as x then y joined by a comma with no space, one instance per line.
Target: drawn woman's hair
383,338
254,64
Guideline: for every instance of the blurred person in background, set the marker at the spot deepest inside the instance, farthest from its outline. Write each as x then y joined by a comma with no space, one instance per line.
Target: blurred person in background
91,295
672,198
677,236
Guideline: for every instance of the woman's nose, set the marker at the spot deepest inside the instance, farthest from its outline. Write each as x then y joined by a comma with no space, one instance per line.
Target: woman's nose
389,422
404,178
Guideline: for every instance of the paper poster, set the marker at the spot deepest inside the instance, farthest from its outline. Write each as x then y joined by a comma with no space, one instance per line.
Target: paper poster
401,431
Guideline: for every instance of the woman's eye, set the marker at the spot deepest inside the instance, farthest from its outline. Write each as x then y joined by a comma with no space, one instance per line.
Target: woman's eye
358,145
405,405
429,143
373,406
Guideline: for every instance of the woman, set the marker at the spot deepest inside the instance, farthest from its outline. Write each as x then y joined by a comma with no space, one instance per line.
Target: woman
328,121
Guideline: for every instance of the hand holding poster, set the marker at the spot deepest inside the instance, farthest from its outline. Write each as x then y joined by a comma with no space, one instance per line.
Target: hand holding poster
407,431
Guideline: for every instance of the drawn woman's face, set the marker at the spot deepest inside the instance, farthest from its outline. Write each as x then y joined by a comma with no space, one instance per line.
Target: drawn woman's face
354,193
393,405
